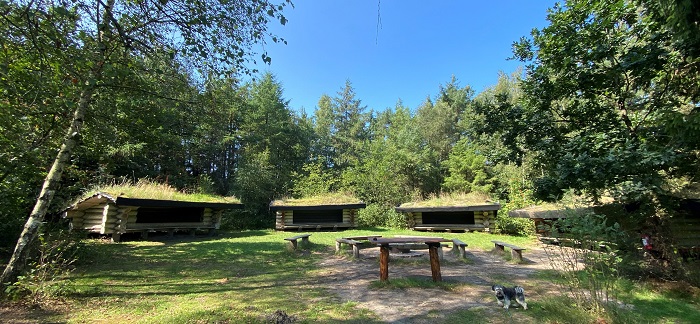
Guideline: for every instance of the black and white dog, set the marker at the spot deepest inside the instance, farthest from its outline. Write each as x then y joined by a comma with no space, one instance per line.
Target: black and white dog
505,295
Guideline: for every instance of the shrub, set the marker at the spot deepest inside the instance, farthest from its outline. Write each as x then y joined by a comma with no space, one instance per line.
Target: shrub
246,219
375,215
51,262
513,226
590,266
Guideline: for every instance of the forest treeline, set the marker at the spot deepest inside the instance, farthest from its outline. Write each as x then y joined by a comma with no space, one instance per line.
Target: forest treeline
606,106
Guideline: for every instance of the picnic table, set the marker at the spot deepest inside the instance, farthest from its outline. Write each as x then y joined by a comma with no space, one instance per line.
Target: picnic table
433,246
354,241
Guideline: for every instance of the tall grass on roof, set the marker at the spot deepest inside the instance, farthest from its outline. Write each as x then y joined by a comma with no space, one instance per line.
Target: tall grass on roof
149,189
452,199
333,198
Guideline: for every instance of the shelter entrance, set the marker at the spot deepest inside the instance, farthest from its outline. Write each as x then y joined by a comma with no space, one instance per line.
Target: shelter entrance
443,217
170,215
318,216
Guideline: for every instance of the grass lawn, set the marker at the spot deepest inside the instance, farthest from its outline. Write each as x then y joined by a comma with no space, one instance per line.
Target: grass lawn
244,277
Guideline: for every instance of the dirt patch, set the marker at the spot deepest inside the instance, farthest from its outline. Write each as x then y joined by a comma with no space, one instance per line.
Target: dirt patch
18,313
350,279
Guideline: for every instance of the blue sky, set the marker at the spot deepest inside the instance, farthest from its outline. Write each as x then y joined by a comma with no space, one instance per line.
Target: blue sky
419,46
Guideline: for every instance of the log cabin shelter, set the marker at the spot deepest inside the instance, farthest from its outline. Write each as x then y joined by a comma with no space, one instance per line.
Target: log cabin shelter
684,226
473,217
545,215
319,217
105,214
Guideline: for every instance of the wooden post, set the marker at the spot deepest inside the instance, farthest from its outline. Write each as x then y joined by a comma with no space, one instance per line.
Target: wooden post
337,246
500,248
517,255
435,261
355,251
384,262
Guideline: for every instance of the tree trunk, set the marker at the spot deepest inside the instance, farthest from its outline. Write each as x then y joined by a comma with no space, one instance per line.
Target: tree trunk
31,228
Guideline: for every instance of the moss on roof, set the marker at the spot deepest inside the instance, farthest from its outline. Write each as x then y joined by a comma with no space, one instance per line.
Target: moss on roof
549,210
452,200
145,189
336,198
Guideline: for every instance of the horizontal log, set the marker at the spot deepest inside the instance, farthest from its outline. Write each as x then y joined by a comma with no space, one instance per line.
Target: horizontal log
75,213
93,217
167,225
450,226
93,228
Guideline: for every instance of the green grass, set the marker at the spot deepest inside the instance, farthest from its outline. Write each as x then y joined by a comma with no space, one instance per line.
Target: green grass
335,198
145,189
244,277
411,282
452,199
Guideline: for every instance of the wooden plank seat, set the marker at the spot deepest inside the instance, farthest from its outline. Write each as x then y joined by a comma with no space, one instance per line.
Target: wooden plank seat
144,228
459,248
407,247
419,237
450,227
293,240
515,251
570,242
317,227
433,246
355,245
362,238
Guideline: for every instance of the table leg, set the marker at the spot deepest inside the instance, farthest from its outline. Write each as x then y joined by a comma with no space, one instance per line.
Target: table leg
435,261
384,262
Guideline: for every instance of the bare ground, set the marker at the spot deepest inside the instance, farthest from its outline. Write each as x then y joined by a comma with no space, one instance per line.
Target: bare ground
350,279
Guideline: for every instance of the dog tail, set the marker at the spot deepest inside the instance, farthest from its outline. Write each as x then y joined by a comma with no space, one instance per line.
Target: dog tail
520,296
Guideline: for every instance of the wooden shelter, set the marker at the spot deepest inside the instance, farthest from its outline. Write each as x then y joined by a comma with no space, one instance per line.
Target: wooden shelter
300,214
463,217
686,227
545,215
103,213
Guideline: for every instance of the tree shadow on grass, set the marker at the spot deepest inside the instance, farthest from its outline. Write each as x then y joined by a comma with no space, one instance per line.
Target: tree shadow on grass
188,268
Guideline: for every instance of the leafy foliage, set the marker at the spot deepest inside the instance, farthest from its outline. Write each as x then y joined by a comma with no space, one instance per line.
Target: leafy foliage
468,170
47,276
377,215
590,266
600,93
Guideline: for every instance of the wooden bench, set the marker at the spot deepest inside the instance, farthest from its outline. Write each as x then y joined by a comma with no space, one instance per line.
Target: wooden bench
304,239
407,247
515,251
459,248
351,242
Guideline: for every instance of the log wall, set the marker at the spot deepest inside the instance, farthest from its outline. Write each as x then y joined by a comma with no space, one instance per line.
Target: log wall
285,219
482,222
108,218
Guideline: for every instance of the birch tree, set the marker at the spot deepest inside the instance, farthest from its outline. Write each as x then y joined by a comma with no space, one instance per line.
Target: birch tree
93,43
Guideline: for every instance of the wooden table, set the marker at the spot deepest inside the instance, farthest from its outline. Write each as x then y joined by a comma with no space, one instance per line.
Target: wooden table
433,245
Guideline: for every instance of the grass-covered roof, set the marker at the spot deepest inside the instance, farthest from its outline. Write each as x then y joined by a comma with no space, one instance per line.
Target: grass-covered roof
549,210
155,191
336,198
452,200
